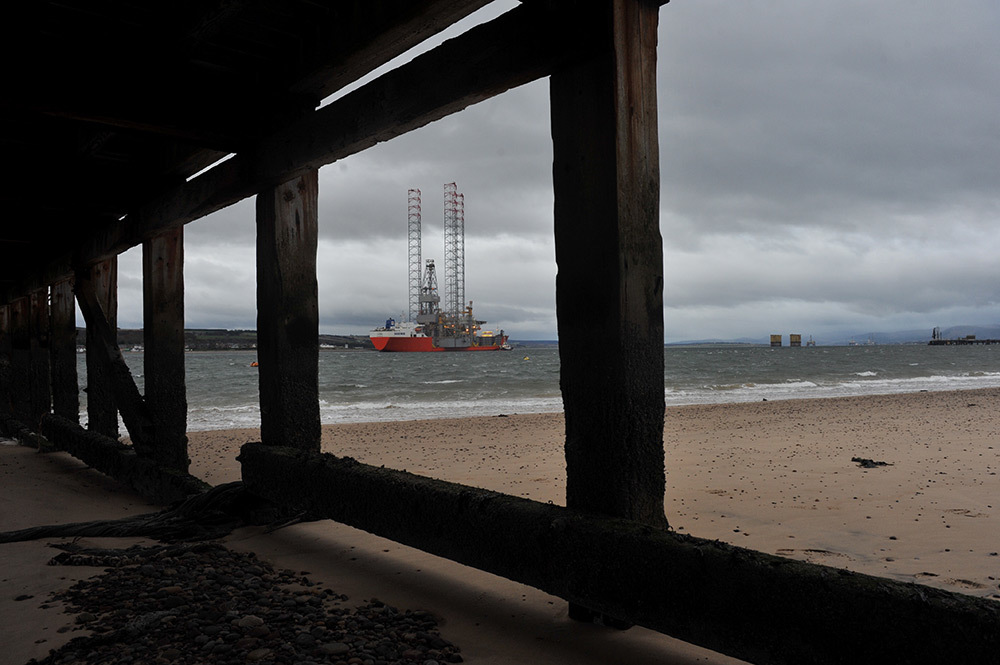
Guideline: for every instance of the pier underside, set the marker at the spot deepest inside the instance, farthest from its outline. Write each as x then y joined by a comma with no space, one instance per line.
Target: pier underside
112,113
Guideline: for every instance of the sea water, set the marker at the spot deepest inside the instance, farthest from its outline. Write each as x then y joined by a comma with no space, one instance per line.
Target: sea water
366,386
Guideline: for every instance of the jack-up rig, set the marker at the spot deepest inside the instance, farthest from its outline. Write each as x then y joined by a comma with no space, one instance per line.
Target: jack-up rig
431,328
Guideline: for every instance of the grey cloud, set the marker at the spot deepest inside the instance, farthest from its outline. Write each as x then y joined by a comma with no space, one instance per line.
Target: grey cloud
825,166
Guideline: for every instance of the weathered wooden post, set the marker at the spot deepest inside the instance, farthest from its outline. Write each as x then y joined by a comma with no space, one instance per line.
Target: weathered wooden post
609,287
40,379
102,413
62,351
104,354
288,314
6,372
163,341
20,360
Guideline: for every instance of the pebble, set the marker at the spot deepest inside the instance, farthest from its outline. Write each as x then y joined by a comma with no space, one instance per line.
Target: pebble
222,607
334,648
249,621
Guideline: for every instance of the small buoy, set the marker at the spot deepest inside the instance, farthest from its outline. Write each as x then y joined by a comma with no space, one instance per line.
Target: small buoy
253,364
527,358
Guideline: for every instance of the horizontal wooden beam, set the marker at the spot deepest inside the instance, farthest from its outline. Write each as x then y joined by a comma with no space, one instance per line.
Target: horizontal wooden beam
128,92
158,483
367,46
520,46
750,605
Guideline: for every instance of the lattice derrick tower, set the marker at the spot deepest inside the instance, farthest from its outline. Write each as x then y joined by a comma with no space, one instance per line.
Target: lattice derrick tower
460,253
413,240
454,249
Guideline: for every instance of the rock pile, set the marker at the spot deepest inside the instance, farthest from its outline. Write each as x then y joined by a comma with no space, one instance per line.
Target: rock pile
203,603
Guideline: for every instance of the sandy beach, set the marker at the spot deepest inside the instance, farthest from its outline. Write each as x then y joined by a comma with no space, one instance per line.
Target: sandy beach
775,476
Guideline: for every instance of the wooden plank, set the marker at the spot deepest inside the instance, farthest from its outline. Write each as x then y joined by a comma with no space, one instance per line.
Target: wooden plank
62,351
163,339
100,279
102,349
523,45
288,313
610,267
340,47
40,379
750,605
378,37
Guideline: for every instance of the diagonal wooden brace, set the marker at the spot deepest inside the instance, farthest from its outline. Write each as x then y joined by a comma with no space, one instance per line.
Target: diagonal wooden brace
135,412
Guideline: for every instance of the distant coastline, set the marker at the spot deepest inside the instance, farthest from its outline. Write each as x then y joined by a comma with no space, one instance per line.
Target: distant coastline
220,339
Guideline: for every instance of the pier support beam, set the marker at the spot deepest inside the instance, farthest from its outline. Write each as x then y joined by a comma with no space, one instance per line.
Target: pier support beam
163,340
101,279
6,370
20,360
102,345
41,380
750,605
123,463
609,287
62,350
288,313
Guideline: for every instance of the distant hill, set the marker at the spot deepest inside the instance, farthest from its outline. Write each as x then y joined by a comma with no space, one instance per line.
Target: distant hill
535,343
743,341
217,339
982,332
920,336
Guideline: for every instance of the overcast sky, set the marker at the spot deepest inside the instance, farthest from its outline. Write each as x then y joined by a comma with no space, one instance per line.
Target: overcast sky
827,168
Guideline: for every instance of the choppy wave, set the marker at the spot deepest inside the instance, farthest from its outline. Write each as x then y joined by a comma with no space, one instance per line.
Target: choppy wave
845,388
360,387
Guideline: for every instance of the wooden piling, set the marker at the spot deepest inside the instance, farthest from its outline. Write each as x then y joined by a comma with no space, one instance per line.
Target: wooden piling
163,340
20,360
40,379
103,351
288,313
102,280
62,351
6,370
610,267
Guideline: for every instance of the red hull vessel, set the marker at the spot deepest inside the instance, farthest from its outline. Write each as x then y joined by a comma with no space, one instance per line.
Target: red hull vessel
422,344
407,338
429,328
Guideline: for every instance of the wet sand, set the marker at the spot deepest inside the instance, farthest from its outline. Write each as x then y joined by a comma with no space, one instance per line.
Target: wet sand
774,476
